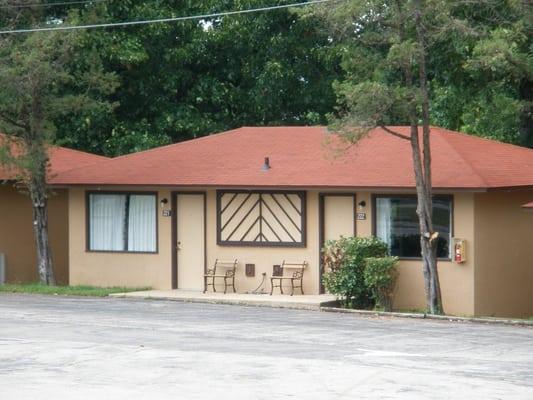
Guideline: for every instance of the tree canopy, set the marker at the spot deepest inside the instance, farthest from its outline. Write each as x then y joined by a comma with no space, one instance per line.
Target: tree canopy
186,79
479,64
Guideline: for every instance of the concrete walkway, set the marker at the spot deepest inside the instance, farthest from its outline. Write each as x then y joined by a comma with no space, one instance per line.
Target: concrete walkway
305,302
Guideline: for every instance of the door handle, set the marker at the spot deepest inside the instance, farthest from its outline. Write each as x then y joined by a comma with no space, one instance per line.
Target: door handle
178,246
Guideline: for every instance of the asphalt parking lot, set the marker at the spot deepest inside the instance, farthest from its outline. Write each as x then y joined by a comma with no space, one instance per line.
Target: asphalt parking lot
82,348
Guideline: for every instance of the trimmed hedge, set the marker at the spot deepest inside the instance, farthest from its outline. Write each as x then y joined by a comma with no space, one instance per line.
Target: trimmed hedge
344,263
381,275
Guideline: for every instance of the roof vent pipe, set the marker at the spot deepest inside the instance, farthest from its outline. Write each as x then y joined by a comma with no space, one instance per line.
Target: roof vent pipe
266,165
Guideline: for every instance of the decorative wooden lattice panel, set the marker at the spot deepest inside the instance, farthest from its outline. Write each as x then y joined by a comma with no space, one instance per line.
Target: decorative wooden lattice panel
261,218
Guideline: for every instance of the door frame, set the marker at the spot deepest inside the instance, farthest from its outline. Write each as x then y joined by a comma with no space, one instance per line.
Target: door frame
321,227
174,232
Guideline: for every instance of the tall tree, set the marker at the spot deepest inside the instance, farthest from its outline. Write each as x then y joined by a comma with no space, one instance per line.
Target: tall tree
463,64
36,89
387,45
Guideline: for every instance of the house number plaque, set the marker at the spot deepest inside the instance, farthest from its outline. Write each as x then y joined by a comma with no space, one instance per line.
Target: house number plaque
361,216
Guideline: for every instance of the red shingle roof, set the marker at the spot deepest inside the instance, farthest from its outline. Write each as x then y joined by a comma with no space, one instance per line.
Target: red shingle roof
61,160
305,157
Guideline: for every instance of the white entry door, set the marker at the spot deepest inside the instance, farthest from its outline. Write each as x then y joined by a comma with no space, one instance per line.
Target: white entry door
190,220
339,216
338,220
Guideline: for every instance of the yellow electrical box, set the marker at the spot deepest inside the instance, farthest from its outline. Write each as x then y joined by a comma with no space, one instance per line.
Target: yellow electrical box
459,250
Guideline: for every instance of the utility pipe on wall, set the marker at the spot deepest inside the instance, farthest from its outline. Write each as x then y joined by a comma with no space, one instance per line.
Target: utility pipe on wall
2,268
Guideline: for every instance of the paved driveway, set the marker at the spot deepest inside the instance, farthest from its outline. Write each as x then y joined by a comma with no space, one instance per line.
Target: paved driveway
71,348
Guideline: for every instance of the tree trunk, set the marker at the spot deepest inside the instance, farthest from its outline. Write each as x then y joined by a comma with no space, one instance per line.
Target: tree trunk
526,117
428,238
37,171
40,227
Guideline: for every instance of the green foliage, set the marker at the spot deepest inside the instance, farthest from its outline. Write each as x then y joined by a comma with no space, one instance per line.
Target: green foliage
380,276
40,88
479,65
496,114
133,137
163,83
344,263
483,81
188,79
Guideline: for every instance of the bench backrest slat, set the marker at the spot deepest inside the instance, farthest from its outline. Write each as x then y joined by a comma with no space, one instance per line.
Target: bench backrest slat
296,267
225,264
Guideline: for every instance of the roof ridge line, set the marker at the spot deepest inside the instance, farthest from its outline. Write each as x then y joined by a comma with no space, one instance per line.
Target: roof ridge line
463,158
175,144
80,151
243,127
56,174
105,160
485,139
125,156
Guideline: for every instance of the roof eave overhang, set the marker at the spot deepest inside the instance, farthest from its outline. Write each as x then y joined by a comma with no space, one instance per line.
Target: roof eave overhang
287,187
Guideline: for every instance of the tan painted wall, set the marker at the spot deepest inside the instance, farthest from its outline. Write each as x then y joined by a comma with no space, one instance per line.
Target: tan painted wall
154,270
265,257
504,254
492,213
17,240
457,280
117,269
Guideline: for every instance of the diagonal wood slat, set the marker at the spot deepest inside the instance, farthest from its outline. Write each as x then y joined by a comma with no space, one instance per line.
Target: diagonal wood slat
279,222
292,204
250,228
273,218
236,211
244,218
229,202
286,213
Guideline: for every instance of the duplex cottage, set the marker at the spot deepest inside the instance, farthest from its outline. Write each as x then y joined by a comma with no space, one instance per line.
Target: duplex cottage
262,195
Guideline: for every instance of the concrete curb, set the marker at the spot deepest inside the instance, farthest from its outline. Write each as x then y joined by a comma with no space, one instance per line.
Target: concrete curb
244,303
326,306
449,318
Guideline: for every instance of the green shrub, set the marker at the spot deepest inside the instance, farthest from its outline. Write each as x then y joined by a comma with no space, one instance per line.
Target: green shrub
344,265
381,275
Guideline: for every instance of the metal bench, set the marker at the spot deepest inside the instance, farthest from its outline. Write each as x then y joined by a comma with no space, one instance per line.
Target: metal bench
228,275
293,272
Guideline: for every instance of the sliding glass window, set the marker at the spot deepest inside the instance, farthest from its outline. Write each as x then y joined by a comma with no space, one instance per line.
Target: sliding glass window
397,225
122,222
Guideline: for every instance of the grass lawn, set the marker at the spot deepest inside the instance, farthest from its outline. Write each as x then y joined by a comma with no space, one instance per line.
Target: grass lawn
37,288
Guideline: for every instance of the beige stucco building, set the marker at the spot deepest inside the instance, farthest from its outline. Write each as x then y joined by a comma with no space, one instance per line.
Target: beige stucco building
161,218
17,243
17,238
